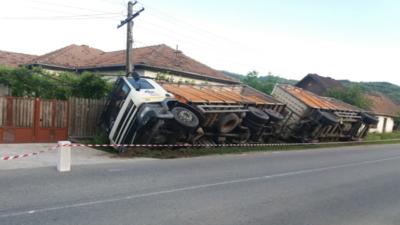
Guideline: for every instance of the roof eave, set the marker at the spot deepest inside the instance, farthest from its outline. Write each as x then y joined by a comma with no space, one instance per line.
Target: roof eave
159,69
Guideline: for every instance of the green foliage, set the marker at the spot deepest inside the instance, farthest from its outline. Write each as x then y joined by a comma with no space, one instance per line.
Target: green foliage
397,119
24,82
264,83
382,136
352,94
397,122
89,85
388,89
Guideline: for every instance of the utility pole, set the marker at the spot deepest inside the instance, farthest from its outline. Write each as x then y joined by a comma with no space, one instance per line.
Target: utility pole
129,39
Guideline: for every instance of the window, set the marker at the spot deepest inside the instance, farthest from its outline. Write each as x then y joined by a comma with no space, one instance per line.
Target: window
117,99
140,84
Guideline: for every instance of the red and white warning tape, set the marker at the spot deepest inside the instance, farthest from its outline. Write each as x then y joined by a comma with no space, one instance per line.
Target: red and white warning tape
222,145
10,157
187,146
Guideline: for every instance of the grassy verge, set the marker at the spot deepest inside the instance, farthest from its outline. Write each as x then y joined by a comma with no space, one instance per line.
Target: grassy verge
194,152
384,136
168,153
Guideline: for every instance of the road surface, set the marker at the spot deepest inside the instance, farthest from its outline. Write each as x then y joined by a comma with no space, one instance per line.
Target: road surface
341,186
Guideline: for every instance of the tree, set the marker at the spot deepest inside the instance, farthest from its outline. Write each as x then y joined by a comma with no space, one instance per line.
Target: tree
352,94
397,122
264,84
36,82
89,85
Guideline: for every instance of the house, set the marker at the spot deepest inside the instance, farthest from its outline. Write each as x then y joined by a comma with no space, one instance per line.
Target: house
158,61
12,59
381,106
317,84
385,109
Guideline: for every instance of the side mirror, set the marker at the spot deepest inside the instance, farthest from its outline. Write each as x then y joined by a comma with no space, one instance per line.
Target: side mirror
135,75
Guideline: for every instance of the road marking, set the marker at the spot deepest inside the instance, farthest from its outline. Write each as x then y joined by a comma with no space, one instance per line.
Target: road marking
195,187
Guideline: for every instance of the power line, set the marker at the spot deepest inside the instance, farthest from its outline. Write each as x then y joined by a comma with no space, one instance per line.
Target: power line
86,16
68,6
170,17
52,11
193,40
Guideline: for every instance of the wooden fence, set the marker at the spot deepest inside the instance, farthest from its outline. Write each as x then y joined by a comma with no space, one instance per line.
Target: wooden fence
40,120
84,116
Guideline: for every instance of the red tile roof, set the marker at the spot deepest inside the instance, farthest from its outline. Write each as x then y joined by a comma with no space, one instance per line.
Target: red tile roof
72,56
382,105
159,56
14,59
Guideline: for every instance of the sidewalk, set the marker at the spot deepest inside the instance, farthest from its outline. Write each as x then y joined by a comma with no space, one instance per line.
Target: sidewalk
80,156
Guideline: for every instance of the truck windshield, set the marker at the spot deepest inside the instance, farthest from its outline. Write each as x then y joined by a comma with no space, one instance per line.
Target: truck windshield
117,99
140,84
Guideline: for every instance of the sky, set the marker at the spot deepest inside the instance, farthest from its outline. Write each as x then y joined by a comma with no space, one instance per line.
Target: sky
357,40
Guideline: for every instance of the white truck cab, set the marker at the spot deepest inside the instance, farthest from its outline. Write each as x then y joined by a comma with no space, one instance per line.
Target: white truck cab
136,111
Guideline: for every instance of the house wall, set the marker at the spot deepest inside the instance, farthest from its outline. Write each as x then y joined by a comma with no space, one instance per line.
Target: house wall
176,78
113,75
4,90
379,127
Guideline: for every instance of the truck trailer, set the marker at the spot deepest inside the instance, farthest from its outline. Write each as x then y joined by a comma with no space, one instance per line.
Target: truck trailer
145,111
312,118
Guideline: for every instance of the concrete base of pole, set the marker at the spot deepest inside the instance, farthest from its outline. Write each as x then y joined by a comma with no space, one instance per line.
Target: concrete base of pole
64,156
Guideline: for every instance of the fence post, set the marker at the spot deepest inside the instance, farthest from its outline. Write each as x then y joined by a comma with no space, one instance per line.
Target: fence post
64,156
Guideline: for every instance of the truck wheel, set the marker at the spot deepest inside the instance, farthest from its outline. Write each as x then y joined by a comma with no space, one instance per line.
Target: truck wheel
273,115
227,123
185,117
243,137
369,119
253,125
327,118
257,115
192,108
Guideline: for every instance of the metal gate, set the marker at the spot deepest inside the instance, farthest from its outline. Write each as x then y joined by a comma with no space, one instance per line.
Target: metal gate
25,120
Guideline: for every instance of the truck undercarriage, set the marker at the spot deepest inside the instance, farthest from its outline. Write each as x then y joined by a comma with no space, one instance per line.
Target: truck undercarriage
142,111
313,118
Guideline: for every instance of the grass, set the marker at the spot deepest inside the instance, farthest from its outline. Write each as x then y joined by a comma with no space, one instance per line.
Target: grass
169,153
195,152
383,136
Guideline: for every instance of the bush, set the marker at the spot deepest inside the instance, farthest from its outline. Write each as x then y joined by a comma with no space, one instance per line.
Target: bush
353,95
37,82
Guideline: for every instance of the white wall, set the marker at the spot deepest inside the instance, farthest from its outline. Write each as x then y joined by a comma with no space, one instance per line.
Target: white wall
177,78
379,128
113,75
4,91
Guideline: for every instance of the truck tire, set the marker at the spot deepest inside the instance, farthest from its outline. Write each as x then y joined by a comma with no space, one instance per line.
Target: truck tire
243,137
369,119
186,118
274,116
192,108
257,115
227,123
253,125
327,118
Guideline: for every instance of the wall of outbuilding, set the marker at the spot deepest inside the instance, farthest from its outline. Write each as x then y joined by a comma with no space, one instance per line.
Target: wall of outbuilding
380,126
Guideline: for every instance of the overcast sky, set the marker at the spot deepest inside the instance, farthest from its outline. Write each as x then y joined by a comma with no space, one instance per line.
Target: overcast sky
344,39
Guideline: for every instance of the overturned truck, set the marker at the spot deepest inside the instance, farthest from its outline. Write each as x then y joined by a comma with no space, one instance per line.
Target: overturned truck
312,118
143,111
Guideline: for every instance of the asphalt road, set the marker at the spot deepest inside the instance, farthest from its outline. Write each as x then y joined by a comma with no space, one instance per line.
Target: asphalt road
349,186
